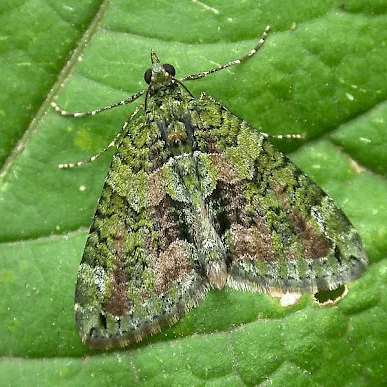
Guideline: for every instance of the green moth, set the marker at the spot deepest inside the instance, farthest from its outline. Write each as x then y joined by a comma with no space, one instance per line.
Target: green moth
196,198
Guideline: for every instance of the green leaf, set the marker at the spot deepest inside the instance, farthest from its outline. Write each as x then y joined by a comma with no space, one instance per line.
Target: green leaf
322,72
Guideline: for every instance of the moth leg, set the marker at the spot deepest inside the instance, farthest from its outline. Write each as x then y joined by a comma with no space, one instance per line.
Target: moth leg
300,136
112,144
125,101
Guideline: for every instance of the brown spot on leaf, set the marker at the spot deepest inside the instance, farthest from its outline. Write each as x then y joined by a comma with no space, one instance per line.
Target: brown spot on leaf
172,265
118,303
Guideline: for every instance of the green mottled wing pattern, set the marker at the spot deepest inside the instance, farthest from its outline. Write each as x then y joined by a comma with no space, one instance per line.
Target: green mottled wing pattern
139,270
283,231
195,198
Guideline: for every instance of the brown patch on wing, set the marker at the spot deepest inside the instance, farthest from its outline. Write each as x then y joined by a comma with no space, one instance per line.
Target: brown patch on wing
171,266
315,246
235,203
253,244
224,169
209,144
166,222
156,187
280,193
118,303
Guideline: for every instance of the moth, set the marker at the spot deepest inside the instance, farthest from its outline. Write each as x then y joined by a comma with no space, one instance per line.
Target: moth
196,198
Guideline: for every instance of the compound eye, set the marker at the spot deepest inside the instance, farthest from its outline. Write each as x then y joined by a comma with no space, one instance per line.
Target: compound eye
148,76
169,69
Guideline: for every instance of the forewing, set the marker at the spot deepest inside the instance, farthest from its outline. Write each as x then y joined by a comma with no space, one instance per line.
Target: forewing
137,272
283,231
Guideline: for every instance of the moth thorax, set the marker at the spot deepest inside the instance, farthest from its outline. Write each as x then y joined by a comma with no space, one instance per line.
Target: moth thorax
176,138
177,133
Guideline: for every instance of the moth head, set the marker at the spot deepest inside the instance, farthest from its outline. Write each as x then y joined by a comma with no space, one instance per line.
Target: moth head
159,73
